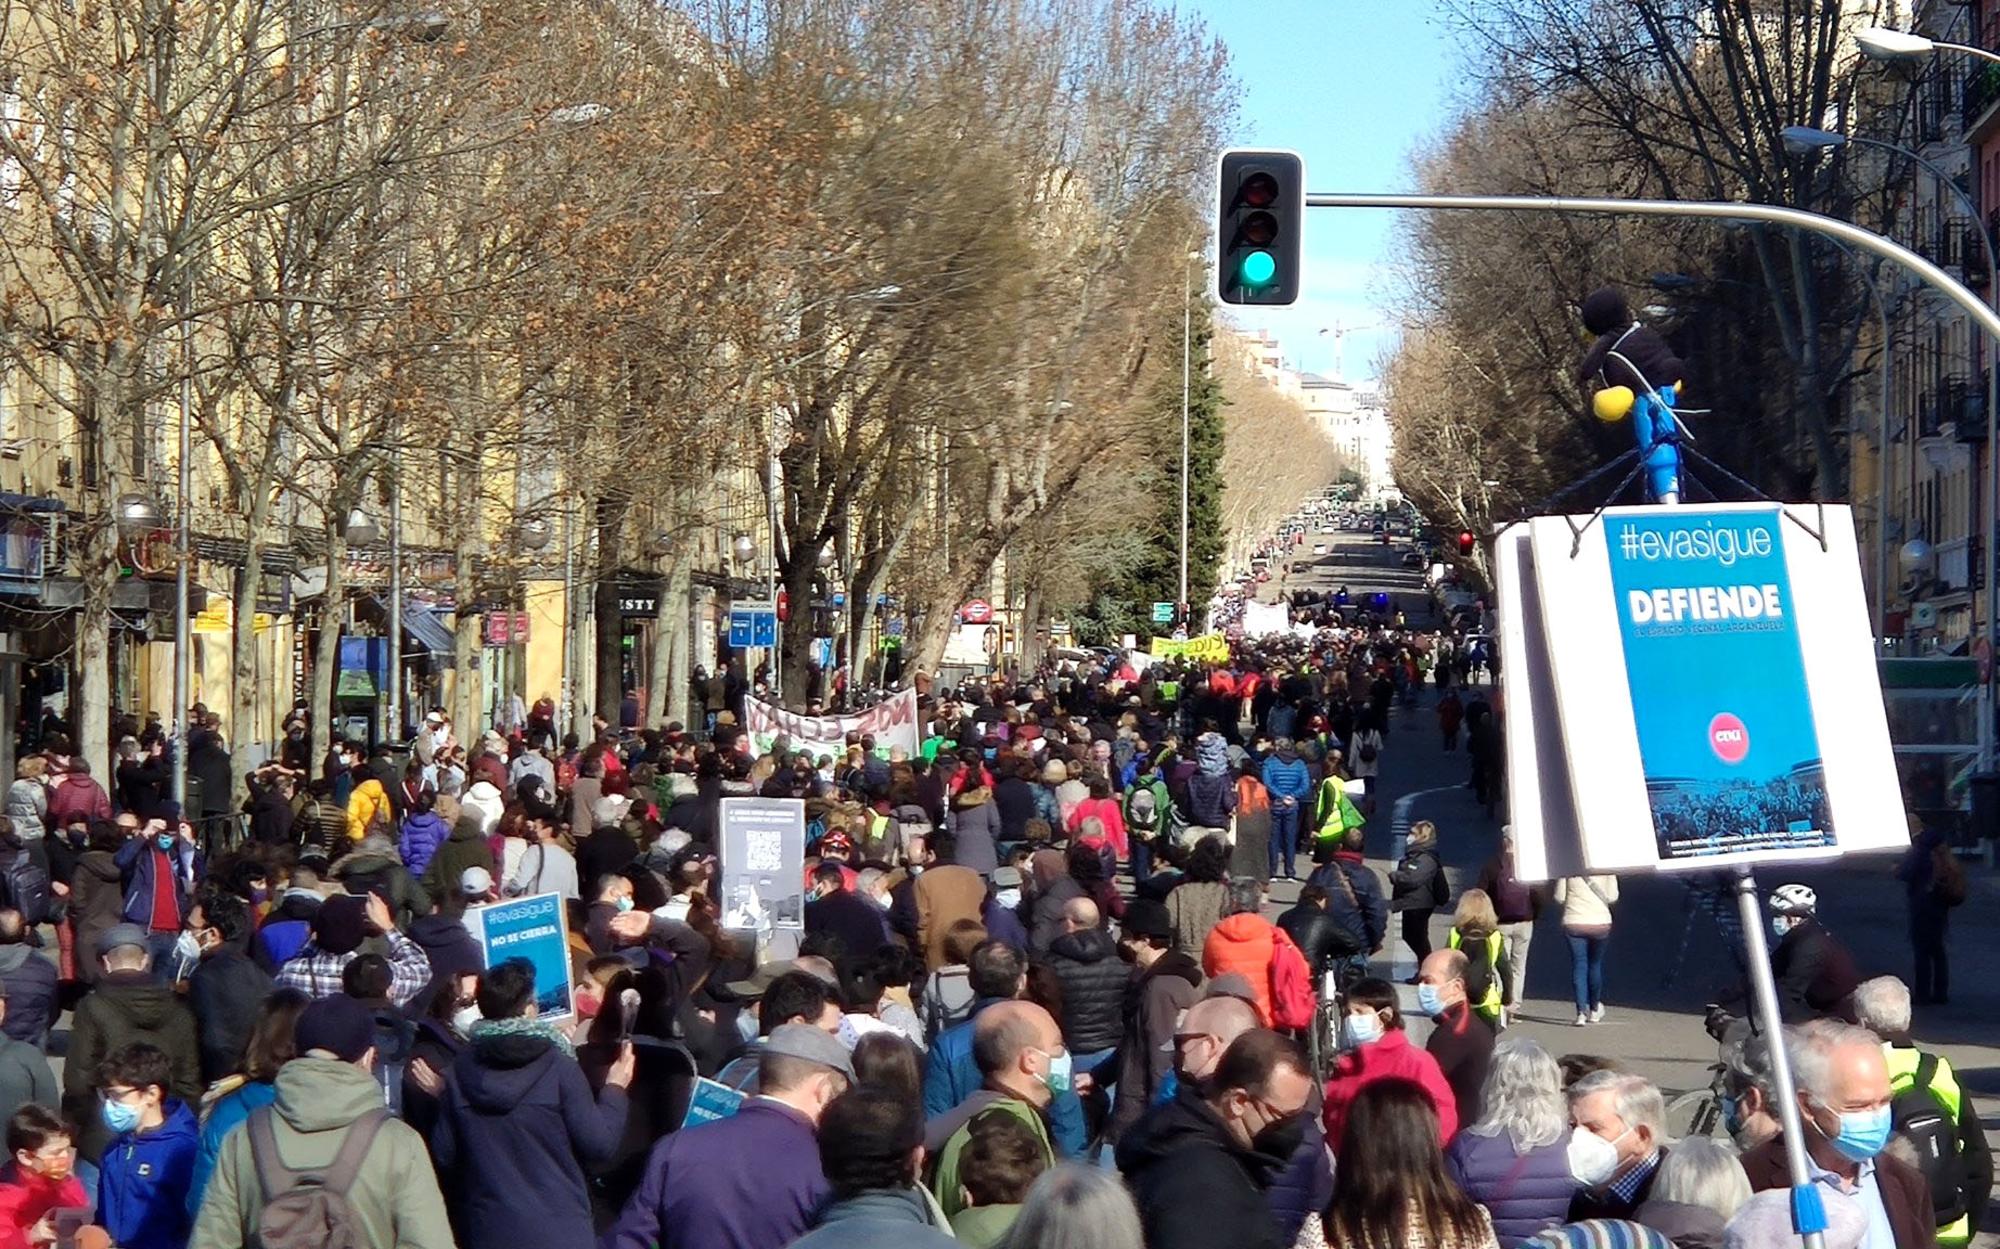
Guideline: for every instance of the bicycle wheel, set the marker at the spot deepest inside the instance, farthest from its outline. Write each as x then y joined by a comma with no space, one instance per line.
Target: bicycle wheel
1695,1113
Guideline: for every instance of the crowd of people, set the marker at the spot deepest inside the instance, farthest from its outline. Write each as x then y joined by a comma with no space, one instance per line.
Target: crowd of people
987,1036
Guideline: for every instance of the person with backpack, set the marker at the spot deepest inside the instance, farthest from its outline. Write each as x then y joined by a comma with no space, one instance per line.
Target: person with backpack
1353,900
1334,814
325,1166
1932,1111
1517,906
1934,882
1814,971
1475,930
28,982
1418,888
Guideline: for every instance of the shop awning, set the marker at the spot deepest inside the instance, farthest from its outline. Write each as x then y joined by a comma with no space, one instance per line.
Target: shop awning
13,502
424,626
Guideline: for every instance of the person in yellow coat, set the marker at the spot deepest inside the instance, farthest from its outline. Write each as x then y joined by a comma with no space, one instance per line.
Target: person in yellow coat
368,804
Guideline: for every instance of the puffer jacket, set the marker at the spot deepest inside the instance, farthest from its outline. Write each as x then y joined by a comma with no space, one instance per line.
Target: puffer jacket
1523,1192
422,834
28,809
367,806
1194,907
1244,944
1093,980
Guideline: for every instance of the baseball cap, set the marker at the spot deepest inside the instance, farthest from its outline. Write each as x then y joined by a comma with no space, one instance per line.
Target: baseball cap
120,935
1007,877
475,882
339,1025
804,1041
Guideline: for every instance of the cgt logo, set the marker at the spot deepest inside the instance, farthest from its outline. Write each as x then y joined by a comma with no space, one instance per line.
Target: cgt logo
1728,738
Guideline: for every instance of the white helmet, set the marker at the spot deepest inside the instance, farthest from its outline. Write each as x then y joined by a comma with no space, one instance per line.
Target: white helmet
1794,900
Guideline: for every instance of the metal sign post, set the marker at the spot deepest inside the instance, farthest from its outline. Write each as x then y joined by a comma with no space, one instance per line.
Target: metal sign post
1807,1211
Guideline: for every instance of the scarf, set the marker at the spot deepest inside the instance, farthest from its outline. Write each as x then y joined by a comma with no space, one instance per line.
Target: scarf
524,1026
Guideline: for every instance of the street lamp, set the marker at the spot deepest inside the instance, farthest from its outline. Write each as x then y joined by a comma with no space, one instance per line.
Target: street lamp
1879,43
1800,139
361,529
661,544
534,533
1187,366
742,549
1915,555
136,515
827,556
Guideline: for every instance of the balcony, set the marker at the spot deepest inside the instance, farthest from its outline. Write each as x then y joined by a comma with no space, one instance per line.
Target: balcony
1971,417
1929,419
1973,264
1982,92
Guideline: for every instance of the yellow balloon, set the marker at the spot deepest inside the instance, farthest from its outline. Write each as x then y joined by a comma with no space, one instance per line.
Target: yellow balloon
1613,403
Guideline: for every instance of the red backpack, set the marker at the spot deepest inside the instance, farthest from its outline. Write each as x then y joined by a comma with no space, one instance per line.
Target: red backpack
1292,999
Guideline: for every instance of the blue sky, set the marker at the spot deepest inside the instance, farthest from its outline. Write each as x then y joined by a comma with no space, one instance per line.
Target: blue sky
1351,85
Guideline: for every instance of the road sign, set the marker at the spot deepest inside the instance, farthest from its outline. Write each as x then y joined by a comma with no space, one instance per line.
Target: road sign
1163,613
894,628
977,611
753,624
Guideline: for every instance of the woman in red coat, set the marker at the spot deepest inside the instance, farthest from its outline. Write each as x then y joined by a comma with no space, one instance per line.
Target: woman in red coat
1382,1051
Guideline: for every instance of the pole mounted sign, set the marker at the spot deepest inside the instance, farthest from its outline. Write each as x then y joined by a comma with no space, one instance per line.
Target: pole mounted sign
753,624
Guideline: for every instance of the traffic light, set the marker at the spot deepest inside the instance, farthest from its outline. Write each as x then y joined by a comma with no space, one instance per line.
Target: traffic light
1466,542
1262,196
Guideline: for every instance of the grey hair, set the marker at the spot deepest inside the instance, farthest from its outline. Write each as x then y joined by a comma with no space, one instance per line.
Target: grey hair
1810,1048
1245,896
1076,1207
1523,1096
1882,1006
1700,1171
1636,1099
1765,1221
1748,1061
867,878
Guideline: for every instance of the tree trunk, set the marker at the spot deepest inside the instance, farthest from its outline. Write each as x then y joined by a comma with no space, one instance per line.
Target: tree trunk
326,654
468,693
1032,607
243,657
90,692
610,648
795,636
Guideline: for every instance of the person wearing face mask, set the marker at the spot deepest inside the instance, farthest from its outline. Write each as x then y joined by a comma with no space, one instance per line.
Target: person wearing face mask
1382,1051
833,909
1164,986
1814,971
1023,1068
1462,1040
614,898
1844,1095
1001,913
224,987
143,1177
694,1193
442,1035
1618,1137
39,1178
159,866
1206,1160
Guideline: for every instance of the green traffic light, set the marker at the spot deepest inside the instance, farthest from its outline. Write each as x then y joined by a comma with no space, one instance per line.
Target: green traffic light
1257,269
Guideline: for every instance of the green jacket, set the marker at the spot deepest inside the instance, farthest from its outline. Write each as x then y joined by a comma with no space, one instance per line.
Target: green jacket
395,1198
1161,806
945,1187
983,1227
1333,811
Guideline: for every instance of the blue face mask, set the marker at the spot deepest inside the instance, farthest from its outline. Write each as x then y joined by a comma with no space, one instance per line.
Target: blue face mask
1364,1029
165,841
1863,1133
119,1117
1428,1001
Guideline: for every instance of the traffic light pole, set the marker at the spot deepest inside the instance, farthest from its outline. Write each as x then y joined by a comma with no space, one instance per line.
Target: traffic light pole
1807,1214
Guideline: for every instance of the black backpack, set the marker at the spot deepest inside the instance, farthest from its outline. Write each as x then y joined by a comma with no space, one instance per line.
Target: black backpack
1919,1117
26,887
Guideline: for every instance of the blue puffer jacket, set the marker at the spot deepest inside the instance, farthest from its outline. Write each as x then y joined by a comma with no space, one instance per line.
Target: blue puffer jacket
423,833
1286,776
1304,1185
1524,1193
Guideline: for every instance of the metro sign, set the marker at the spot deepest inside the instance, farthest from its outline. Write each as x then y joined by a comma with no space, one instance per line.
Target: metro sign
977,611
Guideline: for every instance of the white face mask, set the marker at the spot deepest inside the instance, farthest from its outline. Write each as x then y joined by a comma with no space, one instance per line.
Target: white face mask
1592,1159
1009,898
464,1017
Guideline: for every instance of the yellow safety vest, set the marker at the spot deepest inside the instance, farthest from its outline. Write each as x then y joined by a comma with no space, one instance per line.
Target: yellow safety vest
1488,1005
1903,1062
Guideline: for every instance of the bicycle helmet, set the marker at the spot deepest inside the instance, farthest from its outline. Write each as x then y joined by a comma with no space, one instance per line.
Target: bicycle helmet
1794,900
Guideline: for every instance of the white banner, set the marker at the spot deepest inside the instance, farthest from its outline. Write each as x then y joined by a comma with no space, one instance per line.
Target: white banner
1265,619
892,722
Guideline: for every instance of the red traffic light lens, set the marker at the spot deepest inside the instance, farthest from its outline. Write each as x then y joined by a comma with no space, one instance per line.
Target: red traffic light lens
1259,190
1465,542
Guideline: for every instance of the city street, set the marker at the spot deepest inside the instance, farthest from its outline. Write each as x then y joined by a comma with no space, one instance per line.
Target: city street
1652,1023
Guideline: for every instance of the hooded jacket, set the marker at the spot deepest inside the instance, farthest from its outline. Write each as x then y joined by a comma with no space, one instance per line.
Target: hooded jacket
1154,1000
1189,1177
142,1183
125,1007
975,823
1391,1058
466,847
395,1195
448,944
883,1218
516,1128
28,981
368,806
423,832
1244,943
96,906
28,809
483,801
373,866
286,929
1093,980
1647,359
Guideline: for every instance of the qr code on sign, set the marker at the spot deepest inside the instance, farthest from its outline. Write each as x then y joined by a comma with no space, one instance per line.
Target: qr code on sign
764,850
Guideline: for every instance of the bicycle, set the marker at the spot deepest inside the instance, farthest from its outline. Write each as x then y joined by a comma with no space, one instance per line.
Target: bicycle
1323,1037
1698,1112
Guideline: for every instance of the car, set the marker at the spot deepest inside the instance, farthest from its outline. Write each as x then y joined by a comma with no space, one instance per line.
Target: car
1319,548
1413,559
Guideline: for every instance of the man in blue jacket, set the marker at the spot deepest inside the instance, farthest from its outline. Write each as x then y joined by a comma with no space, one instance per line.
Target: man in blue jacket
997,972
752,1180
143,1179
1289,783
160,865
1354,896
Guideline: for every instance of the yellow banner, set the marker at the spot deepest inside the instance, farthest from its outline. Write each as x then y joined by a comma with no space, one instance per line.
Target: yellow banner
1208,648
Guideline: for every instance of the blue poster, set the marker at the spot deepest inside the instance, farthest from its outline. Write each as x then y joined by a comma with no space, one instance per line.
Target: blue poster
535,929
1718,681
711,1101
